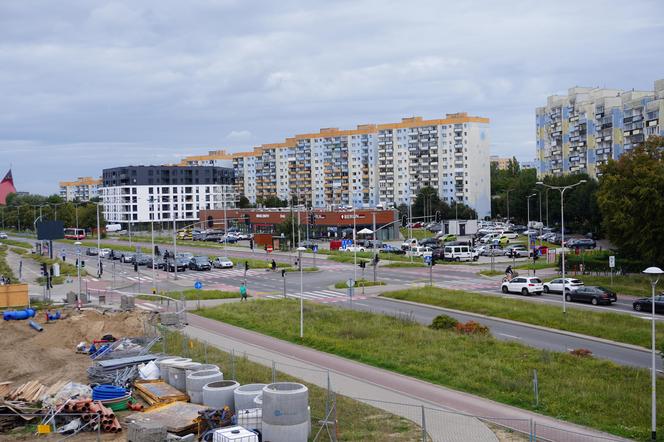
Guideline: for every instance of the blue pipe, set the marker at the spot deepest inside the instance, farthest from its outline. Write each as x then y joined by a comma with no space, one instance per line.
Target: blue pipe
36,326
107,391
18,314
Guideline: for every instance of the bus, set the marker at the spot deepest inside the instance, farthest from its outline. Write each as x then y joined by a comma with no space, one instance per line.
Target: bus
72,233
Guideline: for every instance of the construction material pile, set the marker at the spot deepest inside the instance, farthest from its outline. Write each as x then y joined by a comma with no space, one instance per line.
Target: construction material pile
120,372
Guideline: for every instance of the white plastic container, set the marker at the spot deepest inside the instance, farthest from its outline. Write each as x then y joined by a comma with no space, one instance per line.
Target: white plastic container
250,418
234,434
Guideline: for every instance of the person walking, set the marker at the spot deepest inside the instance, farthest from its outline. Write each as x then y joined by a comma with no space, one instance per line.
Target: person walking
273,265
243,292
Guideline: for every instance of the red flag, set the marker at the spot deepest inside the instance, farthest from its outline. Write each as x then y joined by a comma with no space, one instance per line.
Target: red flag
6,187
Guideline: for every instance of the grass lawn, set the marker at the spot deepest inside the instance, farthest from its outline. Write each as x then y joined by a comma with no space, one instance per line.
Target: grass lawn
418,234
491,272
368,255
346,257
358,283
304,269
614,326
540,264
569,386
66,269
5,270
105,245
393,265
356,420
12,242
19,250
193,294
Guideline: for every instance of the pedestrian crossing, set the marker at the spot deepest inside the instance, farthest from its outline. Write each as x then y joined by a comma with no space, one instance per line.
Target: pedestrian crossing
324,296
196,276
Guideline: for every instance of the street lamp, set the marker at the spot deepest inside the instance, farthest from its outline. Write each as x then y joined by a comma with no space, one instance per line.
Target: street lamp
78,271
299,259
508,204
654,273
529,232
562,190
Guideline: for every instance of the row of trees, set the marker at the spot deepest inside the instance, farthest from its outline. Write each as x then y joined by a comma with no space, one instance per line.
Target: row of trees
429,206
23,211
511,188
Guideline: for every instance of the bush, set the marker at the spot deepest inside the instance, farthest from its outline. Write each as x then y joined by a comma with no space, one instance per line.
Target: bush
472,328
443,322
598,261
581,352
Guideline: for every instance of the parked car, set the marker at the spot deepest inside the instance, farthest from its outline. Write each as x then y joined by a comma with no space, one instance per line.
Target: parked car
3,235
354,249
141,259
645,304
516,250
526,285
200,263
228,239
221,262
419,251
91,251
556,285
389,248
308,244
127,257
488,238
490,250
592,294
448,237
185,255
582,243
460,253
428,242
157,263
115,254
434,227
181,263
104,253
510,234
438,254
407,244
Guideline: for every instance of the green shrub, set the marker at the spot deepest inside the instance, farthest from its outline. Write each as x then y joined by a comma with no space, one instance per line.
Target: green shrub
443,322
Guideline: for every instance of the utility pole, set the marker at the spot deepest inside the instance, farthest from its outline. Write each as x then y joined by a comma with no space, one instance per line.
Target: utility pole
375,264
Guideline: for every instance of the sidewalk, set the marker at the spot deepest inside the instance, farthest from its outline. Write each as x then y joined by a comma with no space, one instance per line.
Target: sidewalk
359,380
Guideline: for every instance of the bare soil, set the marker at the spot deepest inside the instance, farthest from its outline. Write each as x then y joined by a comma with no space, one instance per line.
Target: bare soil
49,356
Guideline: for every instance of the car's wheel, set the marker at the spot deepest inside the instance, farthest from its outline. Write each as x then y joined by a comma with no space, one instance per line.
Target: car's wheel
524,291
638,307
568,297
504,289
594,301
546,289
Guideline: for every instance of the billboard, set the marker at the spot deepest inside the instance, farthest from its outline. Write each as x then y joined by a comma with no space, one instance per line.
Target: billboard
49,230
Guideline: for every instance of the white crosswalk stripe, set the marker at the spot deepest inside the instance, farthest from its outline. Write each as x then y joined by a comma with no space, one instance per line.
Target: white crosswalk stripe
315,295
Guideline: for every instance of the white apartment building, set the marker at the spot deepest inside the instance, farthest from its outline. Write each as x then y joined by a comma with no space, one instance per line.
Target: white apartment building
140,194
373,164
83,189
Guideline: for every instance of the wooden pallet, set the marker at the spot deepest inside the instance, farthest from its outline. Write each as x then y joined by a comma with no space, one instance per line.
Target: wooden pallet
159,392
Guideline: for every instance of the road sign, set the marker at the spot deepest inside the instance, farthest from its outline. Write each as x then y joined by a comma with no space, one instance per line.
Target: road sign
612,261
315,249
350,283
198,285
427,259
269,249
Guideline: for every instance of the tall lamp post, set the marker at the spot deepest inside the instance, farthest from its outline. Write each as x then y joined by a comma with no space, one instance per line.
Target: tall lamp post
654,273
529,232
508,204
299,258
562,190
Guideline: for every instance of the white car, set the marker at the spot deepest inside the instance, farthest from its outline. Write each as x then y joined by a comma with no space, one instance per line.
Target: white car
3,235
409,243
221,262
556,285
354,249
490,237
510,235
526,285
104,253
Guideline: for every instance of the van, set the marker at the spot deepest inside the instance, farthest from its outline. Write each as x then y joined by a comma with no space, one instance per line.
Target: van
419,251
459,253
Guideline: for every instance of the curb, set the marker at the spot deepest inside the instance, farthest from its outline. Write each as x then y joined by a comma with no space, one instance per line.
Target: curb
523,324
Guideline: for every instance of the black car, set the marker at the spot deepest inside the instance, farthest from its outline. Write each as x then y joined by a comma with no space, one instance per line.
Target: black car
592,294
645,304
141,259
200,263
428,242
584,243
182,264
438,254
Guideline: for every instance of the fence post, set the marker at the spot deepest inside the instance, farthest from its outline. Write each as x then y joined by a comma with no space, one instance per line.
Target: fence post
232,363
424,425
530,430
327,397
274,372
534,431
205,351
163,343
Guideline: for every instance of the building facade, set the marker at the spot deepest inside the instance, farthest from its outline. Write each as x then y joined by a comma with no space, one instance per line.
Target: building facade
140,194
500,162
372,165
83,189
578,132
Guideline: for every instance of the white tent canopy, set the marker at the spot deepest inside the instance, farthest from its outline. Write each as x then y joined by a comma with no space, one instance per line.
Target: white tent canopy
365,231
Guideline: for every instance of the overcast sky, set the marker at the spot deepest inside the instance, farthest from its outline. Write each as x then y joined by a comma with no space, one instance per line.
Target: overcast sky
90,84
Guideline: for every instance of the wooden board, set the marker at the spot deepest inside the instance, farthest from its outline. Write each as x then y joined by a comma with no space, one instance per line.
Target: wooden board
176,417
159,392
13,295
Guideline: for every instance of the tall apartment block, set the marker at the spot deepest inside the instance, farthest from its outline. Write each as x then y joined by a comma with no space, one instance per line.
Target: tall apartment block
582,130
138,194
373,164
83,189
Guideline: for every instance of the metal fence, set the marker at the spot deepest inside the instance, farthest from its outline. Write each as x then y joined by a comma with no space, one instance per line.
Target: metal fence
49,420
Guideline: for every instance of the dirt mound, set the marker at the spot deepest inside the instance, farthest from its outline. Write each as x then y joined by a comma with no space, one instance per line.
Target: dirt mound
50,356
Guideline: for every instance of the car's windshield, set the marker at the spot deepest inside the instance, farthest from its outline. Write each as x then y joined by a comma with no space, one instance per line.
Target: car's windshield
200,259
222,259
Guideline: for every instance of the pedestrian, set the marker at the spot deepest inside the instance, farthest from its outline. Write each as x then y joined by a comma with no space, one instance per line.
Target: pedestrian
64,257
274,265
100,270
243,292
156,251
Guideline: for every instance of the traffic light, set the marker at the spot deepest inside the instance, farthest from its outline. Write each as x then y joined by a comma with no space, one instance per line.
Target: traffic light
438,216
251,244
246,219
246,266
363,264
135,266
404,221
44,269
376,259
82,263
312,219
283,273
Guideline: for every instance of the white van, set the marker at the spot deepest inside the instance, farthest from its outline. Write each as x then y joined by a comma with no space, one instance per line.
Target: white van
459,253
419,251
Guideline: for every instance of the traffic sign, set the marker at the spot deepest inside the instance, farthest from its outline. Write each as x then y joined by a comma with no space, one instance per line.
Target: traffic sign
269,249
427,259
315,249
350,283
198,285
612,261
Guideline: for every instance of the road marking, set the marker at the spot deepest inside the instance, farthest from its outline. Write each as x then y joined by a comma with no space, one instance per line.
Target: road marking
509,336
362,304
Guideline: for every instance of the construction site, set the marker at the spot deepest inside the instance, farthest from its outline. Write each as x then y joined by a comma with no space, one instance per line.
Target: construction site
100,373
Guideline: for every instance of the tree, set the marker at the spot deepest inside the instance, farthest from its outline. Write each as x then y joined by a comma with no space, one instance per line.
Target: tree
631,200
286,228
244,203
